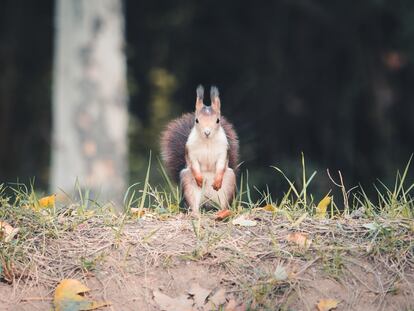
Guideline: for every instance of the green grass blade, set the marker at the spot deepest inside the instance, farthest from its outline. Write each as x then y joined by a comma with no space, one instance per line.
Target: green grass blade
146,183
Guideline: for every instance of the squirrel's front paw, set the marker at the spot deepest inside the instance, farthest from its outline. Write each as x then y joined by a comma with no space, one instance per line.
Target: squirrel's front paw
199,180
217,184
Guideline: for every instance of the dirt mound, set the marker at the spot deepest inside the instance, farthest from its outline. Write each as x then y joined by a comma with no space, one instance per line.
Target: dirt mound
362,264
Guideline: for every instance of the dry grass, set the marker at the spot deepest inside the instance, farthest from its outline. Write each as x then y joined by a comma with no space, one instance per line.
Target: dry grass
378,258
363,256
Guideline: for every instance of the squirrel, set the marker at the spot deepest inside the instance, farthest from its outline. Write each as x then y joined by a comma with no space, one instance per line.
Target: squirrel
200,151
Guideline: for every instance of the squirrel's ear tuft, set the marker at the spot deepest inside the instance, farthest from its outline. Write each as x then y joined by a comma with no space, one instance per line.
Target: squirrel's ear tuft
200,96
214,92
200,92
215,99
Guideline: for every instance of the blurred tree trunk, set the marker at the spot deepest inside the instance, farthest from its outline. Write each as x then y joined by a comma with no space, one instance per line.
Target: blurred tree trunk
90,99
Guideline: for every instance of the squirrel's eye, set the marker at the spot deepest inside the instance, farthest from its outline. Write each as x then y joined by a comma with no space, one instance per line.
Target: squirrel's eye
196,120
218,120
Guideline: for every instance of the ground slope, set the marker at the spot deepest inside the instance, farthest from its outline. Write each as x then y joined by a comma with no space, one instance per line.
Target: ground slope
280,263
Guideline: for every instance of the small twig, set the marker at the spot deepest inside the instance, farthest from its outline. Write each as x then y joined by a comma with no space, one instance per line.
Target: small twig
37,299
341,185
305,267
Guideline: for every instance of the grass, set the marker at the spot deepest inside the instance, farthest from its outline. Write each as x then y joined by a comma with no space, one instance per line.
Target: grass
77,237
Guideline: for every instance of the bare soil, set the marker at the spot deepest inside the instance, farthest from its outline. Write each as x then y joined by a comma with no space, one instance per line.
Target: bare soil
125,264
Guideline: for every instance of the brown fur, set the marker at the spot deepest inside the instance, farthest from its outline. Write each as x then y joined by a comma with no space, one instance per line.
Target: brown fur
174,138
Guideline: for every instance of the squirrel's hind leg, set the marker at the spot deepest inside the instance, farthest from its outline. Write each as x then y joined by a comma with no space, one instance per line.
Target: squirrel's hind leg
224,196
192,192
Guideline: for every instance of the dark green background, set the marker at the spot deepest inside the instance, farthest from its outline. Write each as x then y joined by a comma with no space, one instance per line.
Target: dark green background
334,79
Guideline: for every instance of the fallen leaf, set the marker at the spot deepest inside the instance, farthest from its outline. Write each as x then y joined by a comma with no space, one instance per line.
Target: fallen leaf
137,212
197,298
48,201
244,222
327,304
280,273
322,207
269,208
223,214
7,232
5,228
166,303
218,298
300,239
371,226
232,305
199,295
67,297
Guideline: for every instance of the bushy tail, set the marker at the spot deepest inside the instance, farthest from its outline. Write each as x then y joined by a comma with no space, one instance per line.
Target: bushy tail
174,138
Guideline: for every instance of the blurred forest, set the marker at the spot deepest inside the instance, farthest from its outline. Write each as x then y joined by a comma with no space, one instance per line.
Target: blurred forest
332,79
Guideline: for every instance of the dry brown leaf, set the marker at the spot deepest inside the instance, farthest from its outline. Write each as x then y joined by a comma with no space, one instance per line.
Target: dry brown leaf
166,303
223,214
199,294
7,232
327,304
197,298
300,239
218,298
232,305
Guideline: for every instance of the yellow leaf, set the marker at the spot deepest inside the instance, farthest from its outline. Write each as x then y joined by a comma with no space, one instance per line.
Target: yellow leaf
327,304
68,298
48,201
300,239
269,208
322,206
7,232
137,212
69,288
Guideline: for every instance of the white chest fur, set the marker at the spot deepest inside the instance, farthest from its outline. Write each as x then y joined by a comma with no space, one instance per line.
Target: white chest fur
207,151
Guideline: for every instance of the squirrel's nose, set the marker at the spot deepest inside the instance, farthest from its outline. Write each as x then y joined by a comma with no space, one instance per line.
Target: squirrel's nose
207,132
